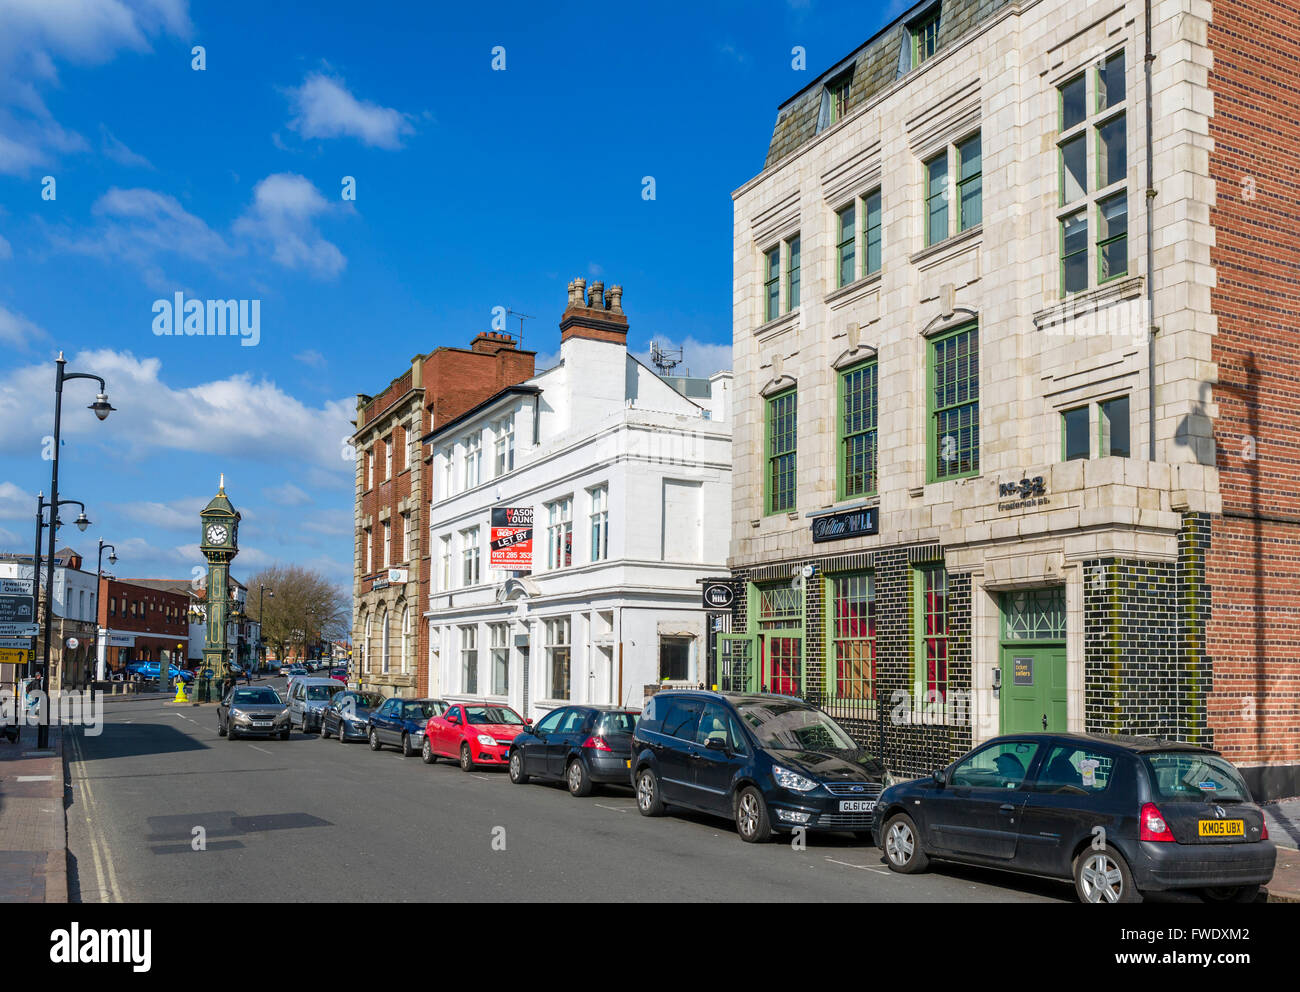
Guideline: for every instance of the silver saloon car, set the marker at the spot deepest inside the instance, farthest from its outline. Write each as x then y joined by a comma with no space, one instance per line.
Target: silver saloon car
253,712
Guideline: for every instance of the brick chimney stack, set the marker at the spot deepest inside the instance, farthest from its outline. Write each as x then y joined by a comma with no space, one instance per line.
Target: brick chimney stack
491,342
595,313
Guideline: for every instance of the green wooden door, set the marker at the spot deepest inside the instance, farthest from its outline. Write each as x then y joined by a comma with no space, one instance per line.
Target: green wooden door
737,671
1033,688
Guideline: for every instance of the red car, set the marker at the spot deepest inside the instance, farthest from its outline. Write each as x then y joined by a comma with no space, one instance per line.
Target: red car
474,734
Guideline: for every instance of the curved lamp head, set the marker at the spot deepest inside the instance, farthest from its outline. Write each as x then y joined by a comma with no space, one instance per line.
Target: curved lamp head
101,406
81,521
112,557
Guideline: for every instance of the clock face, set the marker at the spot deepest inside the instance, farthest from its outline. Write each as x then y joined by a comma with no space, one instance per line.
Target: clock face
216,534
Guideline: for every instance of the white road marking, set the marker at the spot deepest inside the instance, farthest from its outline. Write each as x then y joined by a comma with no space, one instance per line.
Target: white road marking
262,749
484,778
616,809
873,868
104,868
35,778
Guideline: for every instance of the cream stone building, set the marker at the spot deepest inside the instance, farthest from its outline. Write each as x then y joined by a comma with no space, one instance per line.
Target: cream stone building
974,457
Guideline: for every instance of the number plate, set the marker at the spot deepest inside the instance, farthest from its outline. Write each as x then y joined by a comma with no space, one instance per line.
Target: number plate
857,805
1222,828
261,723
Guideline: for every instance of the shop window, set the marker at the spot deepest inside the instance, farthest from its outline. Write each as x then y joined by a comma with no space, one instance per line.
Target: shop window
558,657
931,662
1034,615
852,637
675,658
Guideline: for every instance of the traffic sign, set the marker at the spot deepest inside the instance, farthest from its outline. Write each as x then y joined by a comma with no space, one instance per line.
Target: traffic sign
16,656
15,587
24,643
17,609
18,630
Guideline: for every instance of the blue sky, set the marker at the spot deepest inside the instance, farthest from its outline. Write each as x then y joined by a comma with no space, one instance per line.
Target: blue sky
475,188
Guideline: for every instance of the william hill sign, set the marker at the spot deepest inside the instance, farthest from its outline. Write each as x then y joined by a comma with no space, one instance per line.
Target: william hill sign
850,523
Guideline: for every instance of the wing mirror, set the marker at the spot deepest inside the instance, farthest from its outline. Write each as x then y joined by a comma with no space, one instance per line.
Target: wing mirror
940,777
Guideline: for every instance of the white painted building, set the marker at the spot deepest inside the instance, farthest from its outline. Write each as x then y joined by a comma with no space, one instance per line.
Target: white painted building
628,475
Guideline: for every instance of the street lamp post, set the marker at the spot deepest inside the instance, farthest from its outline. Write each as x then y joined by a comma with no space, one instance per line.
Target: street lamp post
102,409
82,523
101,650
261,626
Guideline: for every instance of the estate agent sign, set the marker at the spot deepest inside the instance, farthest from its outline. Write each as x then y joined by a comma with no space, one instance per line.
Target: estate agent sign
512,538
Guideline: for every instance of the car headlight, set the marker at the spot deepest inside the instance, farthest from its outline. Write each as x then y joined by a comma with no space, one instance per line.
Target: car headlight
487,741
417,732
889,780
239,716
787,779
283,717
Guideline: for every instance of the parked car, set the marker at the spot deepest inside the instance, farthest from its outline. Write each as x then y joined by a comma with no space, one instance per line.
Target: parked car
767,762
339,673
1119,815
308,698
473,733
583,746
348,715
401,722
252,712
148,670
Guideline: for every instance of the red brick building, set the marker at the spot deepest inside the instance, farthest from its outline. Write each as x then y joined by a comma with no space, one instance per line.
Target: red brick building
1253,564
142,623
391,560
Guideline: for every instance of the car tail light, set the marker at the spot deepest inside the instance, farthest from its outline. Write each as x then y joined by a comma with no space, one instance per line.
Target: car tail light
1153,824
597,742
1263,830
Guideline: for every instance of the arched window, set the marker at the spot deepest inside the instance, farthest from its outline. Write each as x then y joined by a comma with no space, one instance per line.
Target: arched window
365,644
384,657
408,642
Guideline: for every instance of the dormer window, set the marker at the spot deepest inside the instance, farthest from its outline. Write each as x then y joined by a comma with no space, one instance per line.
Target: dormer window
925,36
835,101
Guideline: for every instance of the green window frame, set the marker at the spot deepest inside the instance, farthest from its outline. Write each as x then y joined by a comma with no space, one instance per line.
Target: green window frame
1073,102
1112,81
952,398
851,637
1073,168
857,420
1033,615
936,198
931,639
772,283
1074,253
925,38
782,452
1075,434
1114,428
846,244
839,98
1112,150
1112,237
871,218
970,183
792,265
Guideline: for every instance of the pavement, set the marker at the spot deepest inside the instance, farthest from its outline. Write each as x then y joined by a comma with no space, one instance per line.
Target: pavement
33,834
1283,819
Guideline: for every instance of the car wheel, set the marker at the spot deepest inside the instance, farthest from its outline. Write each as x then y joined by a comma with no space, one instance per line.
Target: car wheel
648,800
578,779
221,729
427,754
230,732
751,816
466,759
902,845
324,732
374,740
343,734
406,746
517,768
1102,875
1231,893
284,735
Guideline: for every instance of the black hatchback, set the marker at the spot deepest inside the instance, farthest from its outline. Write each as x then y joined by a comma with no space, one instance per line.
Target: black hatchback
767,762
1119,815
582,745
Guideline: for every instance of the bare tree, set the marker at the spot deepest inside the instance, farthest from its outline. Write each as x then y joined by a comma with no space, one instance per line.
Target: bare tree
306,608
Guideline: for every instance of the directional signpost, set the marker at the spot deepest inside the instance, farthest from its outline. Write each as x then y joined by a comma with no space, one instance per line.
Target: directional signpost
17,613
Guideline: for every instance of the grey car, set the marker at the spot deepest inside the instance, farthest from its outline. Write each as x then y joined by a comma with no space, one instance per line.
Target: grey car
308,698
252,712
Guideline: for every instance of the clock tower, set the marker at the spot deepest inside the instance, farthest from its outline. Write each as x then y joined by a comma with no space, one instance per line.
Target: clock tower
219,543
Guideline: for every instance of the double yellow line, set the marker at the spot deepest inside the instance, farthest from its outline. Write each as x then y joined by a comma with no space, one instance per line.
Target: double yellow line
105,873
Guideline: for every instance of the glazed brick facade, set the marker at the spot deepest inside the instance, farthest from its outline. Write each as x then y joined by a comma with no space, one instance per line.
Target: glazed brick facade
1253,567
436,388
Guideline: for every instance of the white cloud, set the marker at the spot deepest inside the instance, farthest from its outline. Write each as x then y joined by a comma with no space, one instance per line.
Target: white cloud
39,33
240,416
14,503
325,108
282,219
17,331
140,226
181,515
311,357
6,249
119,153
288,495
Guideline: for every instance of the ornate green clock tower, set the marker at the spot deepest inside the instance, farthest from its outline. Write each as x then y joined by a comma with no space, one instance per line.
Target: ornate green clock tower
219,544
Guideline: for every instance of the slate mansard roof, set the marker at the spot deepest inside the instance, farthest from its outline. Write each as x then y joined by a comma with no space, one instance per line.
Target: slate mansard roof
877,64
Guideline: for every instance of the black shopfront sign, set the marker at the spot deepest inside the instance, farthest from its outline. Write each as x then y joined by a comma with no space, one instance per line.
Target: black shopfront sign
850,523
719,594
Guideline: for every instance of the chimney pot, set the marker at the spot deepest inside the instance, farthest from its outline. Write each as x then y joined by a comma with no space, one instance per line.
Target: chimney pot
614,299
596,298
